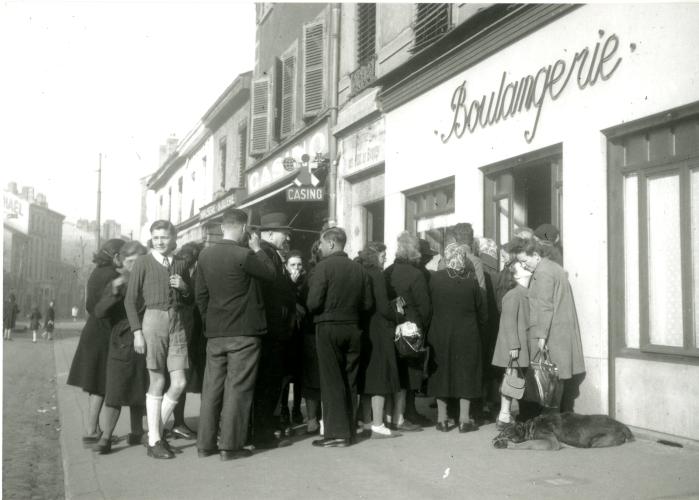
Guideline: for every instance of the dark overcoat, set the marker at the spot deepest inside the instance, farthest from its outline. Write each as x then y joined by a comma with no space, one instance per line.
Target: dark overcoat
459,314
552,316
89,368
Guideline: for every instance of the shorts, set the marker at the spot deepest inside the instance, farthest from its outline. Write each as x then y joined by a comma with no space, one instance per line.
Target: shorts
166,340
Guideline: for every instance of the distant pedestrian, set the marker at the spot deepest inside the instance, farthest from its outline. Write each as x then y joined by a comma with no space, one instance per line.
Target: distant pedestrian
161,280
89,367
74,313
229,298
339,293
34,321
49,322
9,316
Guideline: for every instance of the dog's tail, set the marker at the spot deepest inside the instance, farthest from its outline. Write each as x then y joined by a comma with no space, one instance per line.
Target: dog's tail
628,434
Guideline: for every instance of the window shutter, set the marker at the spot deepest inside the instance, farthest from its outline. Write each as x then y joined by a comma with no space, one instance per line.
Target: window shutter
288,94
261,107
313,69
432,21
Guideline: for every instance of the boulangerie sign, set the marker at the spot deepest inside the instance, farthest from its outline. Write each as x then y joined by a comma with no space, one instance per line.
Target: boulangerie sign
530,92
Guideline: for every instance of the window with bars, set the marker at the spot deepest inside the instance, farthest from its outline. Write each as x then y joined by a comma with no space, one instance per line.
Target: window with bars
432,20
654,229
366,32
313,69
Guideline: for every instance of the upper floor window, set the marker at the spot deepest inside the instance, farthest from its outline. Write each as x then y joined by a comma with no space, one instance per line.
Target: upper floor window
366,32
287,92
222,152
432,20
242,152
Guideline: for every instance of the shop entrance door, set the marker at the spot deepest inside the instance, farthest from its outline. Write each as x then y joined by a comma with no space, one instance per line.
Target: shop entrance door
522,192
374,221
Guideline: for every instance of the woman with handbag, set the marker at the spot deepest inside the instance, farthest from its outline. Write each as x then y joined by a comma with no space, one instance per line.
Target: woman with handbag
512,345
378,366
405,280
553,320
459,315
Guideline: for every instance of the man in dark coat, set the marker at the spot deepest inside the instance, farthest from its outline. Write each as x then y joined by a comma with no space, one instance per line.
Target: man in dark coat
229,297
280,309
339,292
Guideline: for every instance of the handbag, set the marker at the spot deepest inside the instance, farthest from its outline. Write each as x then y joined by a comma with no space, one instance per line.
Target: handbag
409,340
513,382
542,379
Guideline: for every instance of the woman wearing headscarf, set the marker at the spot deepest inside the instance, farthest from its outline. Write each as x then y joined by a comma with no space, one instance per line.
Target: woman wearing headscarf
459,315
89,368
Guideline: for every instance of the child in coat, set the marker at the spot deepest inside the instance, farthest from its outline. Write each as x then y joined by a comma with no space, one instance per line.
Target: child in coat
34,322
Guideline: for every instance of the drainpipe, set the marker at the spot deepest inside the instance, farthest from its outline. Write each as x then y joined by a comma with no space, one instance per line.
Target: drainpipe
332,87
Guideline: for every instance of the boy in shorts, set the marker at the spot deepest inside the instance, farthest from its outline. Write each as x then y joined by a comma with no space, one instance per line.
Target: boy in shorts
159,282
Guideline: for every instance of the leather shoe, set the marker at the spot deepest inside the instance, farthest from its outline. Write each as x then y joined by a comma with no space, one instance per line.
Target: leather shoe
158,450
500,425
235,454
207,453
331,443
90,440
469,426
184,432
171,448
103,447
408,426
442,426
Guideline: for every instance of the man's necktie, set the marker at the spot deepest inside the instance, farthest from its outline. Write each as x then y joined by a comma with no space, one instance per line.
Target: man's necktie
172,293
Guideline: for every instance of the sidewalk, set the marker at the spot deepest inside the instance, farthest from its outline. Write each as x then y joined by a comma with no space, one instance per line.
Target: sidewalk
424,465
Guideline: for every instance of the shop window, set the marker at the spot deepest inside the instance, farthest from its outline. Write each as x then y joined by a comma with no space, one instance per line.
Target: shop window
525,191
313,69
242,152
432,20
430,212
287,90
654,235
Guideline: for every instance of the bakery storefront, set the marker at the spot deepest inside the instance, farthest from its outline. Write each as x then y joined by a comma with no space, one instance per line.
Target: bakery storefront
292,180
590,121
360,192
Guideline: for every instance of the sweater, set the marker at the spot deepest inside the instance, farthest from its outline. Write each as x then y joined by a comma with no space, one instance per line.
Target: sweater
150,282
339,290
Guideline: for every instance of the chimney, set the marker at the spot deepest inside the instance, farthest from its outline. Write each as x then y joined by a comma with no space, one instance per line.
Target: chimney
41,200
12,187
28,194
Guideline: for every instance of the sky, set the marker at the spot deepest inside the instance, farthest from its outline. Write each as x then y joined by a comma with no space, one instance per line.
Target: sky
117,78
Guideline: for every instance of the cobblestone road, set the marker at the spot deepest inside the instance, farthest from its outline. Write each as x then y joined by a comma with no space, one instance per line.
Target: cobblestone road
31,453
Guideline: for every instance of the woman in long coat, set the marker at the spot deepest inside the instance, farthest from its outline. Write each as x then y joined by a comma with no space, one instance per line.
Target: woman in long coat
513,344
378,367
553,320
127,376
459,315
89,368
405,279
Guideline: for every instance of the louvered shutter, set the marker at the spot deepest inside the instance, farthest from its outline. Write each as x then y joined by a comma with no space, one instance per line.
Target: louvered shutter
261,107
288,94
313,69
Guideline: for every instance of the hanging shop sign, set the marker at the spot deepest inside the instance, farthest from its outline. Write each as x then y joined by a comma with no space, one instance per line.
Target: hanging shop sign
218,206
269,171
16,212
363,149
305,193
514,97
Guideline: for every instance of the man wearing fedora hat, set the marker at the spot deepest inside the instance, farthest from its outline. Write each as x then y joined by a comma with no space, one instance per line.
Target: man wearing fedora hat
280,307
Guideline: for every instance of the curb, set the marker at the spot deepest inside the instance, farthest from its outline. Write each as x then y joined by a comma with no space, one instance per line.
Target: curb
657,437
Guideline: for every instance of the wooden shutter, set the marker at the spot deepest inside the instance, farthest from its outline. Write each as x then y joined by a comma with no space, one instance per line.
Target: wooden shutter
288,94
313,68
261,108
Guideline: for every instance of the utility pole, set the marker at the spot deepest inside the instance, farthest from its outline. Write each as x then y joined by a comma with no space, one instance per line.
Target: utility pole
99,203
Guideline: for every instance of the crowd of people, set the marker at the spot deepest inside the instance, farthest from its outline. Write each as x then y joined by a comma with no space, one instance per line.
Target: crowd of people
243,318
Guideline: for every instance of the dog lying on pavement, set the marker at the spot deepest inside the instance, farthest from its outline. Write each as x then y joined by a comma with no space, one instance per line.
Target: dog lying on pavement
547,432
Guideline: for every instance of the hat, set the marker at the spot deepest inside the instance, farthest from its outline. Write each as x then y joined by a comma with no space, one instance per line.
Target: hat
274,221
547,232
425,248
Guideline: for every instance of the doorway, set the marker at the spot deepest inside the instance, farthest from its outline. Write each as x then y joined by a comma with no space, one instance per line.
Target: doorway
374,225
525,191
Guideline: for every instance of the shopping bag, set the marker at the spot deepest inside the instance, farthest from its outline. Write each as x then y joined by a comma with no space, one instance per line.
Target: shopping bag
409,340
542,379
513,382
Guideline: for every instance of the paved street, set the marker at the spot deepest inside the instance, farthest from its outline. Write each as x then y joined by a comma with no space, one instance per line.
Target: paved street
422,465
31,454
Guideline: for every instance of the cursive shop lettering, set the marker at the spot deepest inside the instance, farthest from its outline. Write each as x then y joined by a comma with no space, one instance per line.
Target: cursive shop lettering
531,91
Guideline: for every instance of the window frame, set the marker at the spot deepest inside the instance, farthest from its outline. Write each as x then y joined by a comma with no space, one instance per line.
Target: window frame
684,165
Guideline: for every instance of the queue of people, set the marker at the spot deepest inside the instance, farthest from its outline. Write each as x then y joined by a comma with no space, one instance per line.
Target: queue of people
246,317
